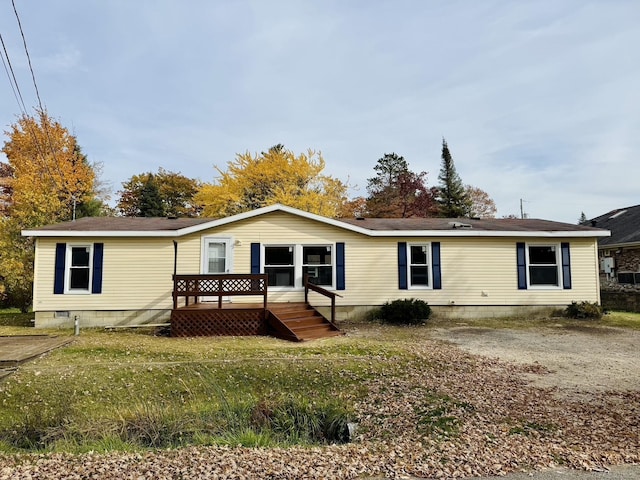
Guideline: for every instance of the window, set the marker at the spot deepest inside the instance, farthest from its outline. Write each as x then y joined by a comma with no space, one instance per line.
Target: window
543,264
279,265
78,268
419,265
286,265
317,263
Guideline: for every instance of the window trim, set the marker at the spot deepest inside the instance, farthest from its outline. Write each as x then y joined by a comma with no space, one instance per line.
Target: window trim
558,265
67,269
429,265
298,264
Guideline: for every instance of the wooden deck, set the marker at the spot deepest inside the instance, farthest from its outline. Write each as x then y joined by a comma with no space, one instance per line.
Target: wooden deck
296,321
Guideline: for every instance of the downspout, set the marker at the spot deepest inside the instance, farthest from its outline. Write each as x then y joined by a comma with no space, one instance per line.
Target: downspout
175,257
175,271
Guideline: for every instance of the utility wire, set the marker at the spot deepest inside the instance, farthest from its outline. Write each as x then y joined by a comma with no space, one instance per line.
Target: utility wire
12,78
41,109
13,81
24,42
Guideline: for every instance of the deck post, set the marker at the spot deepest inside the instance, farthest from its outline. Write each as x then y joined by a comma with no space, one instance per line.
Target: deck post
333,309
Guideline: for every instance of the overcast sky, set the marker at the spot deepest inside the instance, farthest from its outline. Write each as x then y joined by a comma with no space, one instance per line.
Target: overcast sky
538,100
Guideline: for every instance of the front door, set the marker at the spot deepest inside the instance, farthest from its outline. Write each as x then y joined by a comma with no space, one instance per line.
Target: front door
217,259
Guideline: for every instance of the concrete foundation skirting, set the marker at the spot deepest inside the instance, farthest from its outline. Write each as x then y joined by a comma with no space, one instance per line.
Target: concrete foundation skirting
466,312
100,318
109,318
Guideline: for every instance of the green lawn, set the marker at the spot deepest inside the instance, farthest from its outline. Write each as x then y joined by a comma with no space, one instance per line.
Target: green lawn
13,317
130,390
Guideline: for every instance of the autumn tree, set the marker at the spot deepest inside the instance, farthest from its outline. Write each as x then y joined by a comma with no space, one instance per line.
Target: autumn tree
396,191
163,193
45,178
481,205
6,178
452,198
275,176
355,207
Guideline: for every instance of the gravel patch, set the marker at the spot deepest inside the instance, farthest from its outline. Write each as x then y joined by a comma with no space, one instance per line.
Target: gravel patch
579,360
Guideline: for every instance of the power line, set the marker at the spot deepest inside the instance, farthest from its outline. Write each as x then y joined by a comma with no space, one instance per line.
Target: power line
42,112
12,78
13,81
24,42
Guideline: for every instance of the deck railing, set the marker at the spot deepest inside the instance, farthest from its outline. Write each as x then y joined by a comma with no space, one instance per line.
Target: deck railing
309,285
220,286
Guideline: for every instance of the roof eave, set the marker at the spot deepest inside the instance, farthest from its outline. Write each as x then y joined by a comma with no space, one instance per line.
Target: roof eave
100,233
318,218
486,233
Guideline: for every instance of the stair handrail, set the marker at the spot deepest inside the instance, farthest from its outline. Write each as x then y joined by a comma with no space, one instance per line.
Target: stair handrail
322,291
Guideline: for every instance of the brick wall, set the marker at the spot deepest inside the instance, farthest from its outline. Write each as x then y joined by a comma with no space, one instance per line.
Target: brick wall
626,260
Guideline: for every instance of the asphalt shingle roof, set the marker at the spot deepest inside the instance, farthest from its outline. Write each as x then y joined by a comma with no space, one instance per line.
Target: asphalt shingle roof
157,224
125,224
485,224
624,224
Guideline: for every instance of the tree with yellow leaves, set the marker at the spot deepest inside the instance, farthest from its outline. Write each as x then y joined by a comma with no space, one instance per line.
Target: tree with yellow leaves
276,176
46,179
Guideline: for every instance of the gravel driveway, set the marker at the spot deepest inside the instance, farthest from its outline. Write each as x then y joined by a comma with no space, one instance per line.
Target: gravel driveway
579,359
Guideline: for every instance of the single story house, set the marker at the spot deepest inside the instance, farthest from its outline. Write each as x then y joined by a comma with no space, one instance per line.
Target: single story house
118,270
620,253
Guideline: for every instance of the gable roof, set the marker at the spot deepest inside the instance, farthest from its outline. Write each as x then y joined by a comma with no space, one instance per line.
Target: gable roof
624,224
374,227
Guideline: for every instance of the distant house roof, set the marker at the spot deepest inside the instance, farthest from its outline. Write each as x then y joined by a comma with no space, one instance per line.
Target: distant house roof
374,227
624,224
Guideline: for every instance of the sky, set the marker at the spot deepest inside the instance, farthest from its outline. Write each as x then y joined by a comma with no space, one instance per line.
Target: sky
539,101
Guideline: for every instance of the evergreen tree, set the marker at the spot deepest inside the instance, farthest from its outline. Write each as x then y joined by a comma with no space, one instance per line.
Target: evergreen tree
452,198
583,218
150,199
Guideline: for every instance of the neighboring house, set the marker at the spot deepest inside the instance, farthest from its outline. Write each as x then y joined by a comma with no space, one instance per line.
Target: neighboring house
109,271
619,254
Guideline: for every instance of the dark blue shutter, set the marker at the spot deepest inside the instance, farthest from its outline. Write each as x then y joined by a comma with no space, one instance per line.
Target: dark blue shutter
58,279
402,265
435,261
96,283
522,266
255,258
566,266
340,284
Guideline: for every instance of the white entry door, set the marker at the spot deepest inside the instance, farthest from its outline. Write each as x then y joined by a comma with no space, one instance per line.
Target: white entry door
217,258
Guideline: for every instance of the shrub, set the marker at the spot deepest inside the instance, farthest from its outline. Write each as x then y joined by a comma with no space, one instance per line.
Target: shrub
405,312
584,310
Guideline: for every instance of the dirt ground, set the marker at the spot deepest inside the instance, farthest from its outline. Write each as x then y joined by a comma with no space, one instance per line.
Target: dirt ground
579,360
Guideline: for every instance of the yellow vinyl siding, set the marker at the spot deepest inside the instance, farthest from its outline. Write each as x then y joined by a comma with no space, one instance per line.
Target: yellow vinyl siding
475,271
136,275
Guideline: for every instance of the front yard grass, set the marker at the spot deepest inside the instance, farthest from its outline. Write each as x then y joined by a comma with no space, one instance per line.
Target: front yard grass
419,406
130,390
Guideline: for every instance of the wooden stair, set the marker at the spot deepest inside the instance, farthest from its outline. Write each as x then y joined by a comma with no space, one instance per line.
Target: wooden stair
298,322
